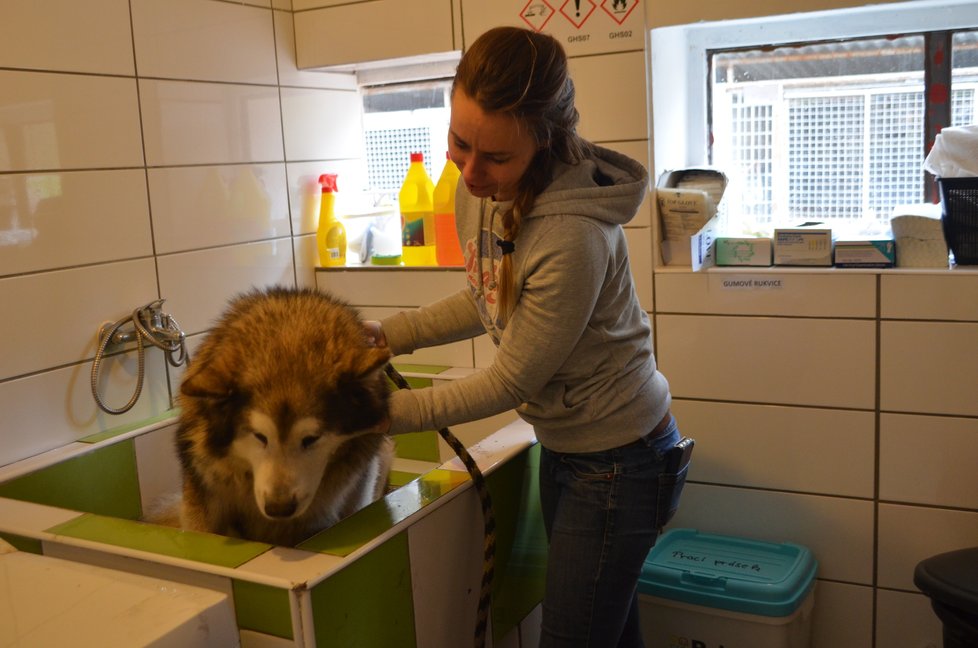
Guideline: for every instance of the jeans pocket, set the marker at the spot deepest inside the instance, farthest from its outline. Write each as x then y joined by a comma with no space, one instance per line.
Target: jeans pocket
670,490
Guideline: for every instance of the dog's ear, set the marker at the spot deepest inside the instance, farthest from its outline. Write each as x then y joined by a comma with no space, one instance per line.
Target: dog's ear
360,398
202,380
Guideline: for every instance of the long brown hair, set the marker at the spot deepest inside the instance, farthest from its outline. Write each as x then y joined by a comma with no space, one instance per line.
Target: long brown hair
518,72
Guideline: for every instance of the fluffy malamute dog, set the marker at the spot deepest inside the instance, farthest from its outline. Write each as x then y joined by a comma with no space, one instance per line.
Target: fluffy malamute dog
278,406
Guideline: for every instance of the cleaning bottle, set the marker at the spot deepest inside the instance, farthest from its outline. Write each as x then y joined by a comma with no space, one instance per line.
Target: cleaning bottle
331,235
448,252
417,215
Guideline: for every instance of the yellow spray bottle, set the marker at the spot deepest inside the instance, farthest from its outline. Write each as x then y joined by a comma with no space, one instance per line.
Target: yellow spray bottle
331,235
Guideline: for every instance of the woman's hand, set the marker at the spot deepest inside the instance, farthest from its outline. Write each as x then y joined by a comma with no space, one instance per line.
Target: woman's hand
374,334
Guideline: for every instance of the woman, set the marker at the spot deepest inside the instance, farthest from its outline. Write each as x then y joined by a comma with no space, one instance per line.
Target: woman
540,214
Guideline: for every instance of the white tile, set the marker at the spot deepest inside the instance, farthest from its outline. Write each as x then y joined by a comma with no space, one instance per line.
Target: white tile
384,287
205,206
305,190
843,616
61,602
372,31
67,36
484,350
929,460
64,219
784,448
290,75
777,292
839,531
909,534
27,519
321,124
820,362
157,465
611,96
198,285
47,410
210,123
306,260
906,620
446,571
67,121
210,41
52,319
944,295
454,354
929,367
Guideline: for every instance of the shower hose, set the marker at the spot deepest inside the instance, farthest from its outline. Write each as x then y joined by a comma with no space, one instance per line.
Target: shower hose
489,519
151,325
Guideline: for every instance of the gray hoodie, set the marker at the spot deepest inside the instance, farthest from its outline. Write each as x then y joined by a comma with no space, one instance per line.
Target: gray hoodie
575,358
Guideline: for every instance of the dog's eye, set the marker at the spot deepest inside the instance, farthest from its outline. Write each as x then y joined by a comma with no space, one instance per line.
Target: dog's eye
307,442
261,438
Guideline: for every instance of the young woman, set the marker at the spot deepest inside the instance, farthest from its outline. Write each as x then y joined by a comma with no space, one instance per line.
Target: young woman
540,214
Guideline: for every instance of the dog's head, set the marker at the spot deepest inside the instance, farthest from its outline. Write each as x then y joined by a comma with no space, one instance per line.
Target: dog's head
281,387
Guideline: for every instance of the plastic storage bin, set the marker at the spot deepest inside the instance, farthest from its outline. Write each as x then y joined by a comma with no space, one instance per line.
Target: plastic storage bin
700,590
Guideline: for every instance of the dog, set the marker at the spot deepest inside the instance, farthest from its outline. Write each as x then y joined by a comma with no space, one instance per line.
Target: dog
279,414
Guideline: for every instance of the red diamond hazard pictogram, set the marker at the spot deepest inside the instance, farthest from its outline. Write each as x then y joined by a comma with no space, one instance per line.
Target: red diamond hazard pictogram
578,11
619,10
537,13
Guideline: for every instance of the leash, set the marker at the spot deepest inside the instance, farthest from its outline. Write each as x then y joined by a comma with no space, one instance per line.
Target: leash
489,518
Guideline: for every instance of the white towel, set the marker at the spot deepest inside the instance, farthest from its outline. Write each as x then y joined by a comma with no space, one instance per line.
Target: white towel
955,153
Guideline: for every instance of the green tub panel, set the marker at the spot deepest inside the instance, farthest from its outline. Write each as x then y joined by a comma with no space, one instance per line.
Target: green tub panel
104,482
167,541
350,534
368,603
521,541
262,608
129,427
420,446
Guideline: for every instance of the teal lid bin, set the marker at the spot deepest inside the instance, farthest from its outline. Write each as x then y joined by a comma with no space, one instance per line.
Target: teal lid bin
728,573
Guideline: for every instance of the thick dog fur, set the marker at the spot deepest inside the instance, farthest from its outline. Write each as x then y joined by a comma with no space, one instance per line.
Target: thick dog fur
277,407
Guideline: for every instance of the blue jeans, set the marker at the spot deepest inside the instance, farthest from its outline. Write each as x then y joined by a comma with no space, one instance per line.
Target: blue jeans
600,513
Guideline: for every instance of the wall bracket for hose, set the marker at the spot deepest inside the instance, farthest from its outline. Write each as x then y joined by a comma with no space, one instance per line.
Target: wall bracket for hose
149,324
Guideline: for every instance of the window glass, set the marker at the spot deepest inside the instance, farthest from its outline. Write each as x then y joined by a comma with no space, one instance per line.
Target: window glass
818,132
399,120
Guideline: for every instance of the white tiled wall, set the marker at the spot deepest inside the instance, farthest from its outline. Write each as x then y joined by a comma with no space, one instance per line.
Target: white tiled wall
148,148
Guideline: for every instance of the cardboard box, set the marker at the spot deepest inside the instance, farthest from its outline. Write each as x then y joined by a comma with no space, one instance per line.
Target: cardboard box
743,251
803,246
865,254
687,200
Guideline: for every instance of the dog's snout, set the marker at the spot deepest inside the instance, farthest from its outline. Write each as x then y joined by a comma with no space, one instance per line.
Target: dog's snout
282,508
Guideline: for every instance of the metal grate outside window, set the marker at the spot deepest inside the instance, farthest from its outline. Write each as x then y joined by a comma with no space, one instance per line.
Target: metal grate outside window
825,159
896,144
389,152
753,142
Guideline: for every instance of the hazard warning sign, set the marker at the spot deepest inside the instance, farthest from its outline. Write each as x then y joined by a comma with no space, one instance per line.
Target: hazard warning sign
577,11
619,9
537,13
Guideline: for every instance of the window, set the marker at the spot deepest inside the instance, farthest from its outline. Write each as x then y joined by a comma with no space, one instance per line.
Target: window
399,120
405,110
829,131
816,117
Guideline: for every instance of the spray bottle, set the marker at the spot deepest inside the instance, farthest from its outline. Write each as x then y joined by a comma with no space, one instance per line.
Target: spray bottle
417,215
331,235
447,248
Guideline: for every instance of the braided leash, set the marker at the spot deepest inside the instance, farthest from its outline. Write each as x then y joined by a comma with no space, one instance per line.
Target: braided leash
489,518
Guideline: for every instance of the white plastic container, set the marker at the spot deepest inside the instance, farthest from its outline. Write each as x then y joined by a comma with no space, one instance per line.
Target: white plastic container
709,591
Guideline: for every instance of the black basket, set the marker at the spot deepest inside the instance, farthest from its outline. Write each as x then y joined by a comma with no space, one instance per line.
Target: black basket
959,216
